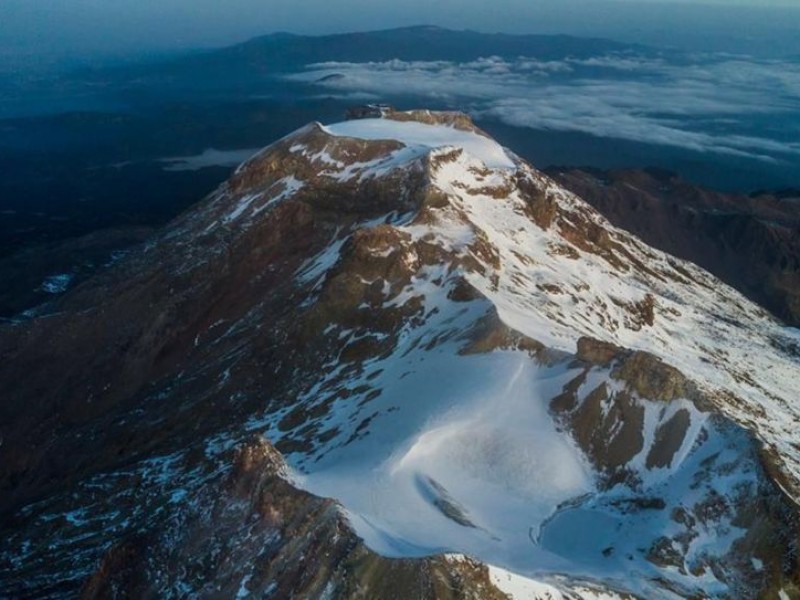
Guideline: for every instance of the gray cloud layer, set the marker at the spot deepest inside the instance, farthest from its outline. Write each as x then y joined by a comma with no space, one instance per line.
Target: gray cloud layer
707,104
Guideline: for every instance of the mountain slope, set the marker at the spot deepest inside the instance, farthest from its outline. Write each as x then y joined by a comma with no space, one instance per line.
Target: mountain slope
470,359
752,243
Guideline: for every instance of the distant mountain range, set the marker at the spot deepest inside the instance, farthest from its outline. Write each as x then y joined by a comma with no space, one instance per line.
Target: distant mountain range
284,51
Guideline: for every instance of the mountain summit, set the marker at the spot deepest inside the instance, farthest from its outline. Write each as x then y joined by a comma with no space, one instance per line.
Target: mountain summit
500,393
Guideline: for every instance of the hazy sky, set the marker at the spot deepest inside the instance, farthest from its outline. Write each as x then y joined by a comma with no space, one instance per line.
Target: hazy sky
80,27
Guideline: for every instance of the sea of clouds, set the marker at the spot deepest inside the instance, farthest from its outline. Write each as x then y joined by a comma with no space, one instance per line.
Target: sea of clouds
720,103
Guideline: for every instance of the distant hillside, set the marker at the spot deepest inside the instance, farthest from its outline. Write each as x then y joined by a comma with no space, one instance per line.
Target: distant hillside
284,51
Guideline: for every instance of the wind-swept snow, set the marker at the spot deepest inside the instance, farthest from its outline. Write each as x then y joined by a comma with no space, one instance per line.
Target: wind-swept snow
429,137
470,468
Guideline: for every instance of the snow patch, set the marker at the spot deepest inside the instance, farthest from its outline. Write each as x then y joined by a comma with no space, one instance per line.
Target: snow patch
429,137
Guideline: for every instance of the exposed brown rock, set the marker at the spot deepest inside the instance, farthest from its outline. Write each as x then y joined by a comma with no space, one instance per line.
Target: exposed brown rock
455,119
567,400
597,352
541,207
670,435
664,554
640,313
650,377
180,301
463,291
258,533
612,436
492,334
590,237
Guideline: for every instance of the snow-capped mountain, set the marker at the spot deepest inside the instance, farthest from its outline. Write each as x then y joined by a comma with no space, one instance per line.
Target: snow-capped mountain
500,392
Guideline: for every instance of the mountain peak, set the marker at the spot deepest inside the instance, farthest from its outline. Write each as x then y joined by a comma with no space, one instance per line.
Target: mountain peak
467,357
349,157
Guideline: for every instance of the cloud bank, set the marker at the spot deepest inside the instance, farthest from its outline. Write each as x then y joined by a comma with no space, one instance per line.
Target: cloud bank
722,104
